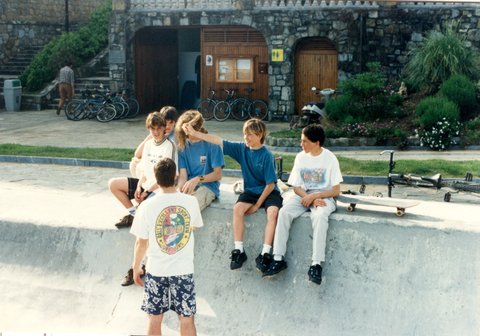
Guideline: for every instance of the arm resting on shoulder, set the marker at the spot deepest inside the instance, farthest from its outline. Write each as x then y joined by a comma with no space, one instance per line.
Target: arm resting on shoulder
188,129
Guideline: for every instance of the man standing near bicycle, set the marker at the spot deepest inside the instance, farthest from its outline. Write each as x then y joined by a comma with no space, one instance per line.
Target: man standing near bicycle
66,88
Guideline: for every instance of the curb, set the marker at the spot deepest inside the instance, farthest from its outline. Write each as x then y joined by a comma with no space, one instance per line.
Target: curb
350,179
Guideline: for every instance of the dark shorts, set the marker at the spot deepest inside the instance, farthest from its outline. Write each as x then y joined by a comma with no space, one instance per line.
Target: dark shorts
132,186
274,199
175,293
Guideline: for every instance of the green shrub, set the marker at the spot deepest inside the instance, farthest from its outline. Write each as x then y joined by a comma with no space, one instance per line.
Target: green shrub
365,97
440,56
471,132
460,90
77,47
431,110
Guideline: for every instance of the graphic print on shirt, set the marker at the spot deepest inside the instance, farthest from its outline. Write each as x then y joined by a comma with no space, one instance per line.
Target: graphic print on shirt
173,229
313,178
203,160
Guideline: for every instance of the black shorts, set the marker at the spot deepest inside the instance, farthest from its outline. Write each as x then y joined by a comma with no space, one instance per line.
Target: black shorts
132,186
274,199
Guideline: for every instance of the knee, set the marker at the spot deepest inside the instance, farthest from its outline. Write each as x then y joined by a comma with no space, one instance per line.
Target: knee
238,210
114,184
272,213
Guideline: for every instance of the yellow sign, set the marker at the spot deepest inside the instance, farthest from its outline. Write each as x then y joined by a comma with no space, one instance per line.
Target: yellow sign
277,55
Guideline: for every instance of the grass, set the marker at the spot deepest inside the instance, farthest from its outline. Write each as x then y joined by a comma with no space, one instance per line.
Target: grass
348,166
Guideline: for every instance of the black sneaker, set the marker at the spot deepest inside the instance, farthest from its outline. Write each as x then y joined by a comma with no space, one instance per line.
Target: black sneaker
128,280
263,261
238,258
125,222
276,267
315,274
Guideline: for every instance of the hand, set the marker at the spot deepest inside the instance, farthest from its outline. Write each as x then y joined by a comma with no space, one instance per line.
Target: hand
137,276
319,202
188,129
252,209
189,186
308,200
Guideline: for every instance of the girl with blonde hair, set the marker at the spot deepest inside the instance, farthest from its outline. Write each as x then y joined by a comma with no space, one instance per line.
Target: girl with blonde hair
200,163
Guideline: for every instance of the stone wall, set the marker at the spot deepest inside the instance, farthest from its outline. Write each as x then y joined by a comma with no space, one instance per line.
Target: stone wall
384,33
34,22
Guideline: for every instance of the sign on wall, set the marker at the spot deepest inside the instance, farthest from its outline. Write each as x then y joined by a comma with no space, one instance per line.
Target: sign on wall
277,55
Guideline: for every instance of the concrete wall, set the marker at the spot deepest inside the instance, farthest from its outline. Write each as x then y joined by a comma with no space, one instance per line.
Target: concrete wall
61,263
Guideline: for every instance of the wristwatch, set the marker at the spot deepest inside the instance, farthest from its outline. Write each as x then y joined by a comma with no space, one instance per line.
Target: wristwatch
201,178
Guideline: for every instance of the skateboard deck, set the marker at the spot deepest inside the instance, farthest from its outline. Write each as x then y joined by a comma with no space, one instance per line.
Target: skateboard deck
399,204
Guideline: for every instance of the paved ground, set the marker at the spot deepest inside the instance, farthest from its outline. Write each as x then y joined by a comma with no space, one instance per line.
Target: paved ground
48,129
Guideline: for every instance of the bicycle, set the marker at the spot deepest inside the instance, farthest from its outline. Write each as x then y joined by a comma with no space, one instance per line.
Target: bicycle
206,106
90,107
436,181
223,108
132,103
244,107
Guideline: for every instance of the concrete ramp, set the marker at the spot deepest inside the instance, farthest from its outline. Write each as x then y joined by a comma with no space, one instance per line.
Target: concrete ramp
416,275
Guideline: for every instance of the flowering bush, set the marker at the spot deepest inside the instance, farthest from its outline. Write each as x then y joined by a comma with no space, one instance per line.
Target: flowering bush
357,130
441,135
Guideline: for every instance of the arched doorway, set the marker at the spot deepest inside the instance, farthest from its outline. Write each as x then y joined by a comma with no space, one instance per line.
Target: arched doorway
316,64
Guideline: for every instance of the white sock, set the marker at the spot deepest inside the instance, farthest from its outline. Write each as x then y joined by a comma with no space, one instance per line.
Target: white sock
266,249
132,210
277,257
239,245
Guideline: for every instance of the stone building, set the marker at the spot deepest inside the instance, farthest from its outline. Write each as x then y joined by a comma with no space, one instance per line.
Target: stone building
278,47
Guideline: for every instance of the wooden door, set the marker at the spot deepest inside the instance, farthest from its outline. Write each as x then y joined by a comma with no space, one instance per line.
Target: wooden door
156,69
315,65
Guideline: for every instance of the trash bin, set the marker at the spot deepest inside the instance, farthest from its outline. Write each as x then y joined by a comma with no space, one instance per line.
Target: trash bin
12,93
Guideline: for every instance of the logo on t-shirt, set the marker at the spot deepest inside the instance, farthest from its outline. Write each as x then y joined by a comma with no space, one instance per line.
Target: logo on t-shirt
313,178
203,159
173,229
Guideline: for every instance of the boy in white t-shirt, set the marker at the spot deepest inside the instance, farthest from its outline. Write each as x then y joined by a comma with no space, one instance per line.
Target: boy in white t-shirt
316,179
164,227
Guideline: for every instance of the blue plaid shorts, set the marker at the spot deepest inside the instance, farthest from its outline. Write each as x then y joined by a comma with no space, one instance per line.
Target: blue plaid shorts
175,293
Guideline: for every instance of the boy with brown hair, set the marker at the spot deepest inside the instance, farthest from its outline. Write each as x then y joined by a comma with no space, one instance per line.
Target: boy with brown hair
260,189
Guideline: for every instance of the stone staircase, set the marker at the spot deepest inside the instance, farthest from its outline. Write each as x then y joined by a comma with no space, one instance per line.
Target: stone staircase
15,67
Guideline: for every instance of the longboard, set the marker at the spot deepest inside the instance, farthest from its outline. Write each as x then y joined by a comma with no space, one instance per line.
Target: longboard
399,204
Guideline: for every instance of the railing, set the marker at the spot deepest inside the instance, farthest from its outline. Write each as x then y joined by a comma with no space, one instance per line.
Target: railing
165,5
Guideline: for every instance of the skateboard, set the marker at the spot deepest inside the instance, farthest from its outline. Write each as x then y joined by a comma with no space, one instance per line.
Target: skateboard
399,204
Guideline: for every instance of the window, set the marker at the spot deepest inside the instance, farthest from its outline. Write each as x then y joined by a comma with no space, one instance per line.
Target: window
235,70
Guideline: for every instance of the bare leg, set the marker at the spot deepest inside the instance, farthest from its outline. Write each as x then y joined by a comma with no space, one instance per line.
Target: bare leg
272,214
187,326
154,324
119,188
239,210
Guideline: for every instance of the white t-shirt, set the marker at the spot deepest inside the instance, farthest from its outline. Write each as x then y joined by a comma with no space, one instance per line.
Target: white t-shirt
315,173
152,153
167,221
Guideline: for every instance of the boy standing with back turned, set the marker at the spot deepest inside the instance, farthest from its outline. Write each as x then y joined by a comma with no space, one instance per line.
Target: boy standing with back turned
258,170
164,228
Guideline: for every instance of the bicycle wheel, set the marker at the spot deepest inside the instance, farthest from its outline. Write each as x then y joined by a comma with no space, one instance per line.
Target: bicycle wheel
106,113
206,108
119,108
239,108
221,112
133,107
75,110
465,186
258,109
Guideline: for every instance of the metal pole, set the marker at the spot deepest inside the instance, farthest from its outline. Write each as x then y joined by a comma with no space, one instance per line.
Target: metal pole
67,25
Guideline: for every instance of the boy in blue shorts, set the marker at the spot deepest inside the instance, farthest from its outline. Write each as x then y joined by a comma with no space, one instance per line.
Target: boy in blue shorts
164,227
260,189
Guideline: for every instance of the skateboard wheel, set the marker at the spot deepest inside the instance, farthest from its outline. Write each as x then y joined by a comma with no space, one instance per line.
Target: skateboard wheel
400,212
351,207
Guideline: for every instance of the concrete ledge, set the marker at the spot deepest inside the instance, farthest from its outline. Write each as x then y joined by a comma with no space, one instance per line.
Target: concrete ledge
383,274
